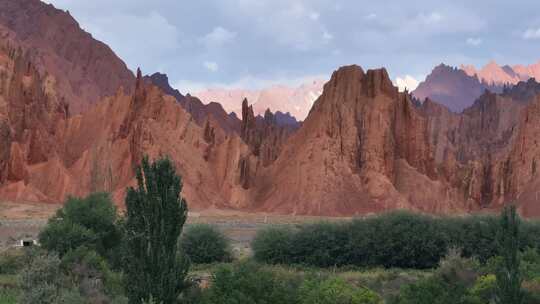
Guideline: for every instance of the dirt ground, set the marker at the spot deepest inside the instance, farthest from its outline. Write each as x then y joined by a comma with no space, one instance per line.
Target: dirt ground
25,220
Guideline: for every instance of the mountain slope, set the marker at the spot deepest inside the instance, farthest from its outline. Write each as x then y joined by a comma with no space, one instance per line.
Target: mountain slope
452,87
82,69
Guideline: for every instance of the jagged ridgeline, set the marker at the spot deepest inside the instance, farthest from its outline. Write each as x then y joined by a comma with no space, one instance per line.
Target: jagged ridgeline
74,119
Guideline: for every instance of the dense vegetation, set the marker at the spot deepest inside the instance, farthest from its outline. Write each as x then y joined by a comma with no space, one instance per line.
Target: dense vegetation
397,239
89,254
204,244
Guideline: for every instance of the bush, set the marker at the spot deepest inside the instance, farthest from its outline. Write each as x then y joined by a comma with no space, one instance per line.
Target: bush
89,222
474,235
273,245
321,244
434,290
204,244
40,280
250,283
406,240
11,262
396,239
8,296
483,290
335,291
91,273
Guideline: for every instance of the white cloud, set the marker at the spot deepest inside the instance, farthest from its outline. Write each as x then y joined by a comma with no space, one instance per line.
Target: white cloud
531,33
407,82
314,16
327,36
431,18
161,38
474,41
211,66
295,25
371,16
218,37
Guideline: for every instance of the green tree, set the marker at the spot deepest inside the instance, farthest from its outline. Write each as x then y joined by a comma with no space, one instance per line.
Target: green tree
154,266
89,222
509,277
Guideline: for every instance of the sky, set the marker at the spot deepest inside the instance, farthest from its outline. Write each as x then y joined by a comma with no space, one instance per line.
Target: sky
257,43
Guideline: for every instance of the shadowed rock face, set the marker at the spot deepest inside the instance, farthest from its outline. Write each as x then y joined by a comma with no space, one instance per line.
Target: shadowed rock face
453,87
199,111
81,69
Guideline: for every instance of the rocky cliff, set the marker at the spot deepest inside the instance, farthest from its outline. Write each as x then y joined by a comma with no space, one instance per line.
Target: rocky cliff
81,69
364,148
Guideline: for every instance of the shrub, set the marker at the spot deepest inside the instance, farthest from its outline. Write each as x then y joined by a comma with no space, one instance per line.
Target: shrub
40,280
205,244
88,270
90,222
321,244
11,262
273,245
248,282
474,235
396,239
483,290
8,296
335,291
434,290
407,240
455,267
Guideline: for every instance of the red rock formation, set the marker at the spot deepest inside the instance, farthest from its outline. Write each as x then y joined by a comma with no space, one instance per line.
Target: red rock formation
80,68
364,148
199,111
367,148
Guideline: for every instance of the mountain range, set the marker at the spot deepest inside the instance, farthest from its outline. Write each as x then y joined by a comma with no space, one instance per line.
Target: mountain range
294,100
74,120
458,88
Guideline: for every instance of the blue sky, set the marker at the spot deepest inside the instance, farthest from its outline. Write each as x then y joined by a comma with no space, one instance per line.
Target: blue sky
252,44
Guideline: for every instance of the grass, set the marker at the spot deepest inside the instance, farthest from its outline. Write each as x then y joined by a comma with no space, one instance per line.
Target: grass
8,296
386,282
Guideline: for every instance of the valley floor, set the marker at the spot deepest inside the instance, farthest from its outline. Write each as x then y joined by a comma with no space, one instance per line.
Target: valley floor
25,220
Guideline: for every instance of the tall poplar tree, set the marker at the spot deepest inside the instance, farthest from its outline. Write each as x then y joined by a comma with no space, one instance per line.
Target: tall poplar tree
509,277
154,266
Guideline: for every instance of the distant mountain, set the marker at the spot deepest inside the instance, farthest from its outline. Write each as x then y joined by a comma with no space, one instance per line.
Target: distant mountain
458,88
199,111
295,100
452,87
494,74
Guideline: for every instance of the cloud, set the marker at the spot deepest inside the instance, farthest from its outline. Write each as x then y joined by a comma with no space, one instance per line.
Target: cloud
407,82
161,38
218,37
531,33
428,19
211,66
474,41
314,16
371,16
